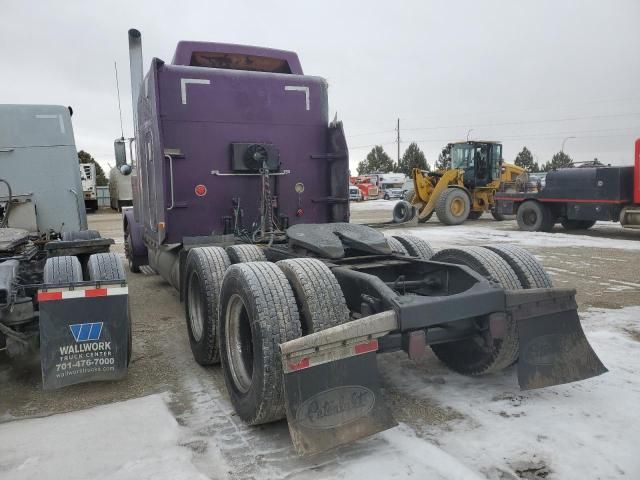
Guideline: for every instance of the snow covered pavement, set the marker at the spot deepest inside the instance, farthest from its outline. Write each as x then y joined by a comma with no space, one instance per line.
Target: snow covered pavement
585,430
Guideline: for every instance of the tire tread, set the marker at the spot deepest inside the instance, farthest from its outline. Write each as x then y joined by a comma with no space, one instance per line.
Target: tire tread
493,267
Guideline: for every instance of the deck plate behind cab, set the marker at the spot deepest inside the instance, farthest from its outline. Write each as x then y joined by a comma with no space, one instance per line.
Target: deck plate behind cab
329,240
11,238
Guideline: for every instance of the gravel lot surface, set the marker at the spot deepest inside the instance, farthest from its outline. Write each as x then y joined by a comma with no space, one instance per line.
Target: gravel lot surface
601,264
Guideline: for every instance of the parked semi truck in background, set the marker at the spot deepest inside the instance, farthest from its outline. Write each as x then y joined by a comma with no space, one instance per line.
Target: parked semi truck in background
369,190
577,198
89,186
60,288
391,185
250,223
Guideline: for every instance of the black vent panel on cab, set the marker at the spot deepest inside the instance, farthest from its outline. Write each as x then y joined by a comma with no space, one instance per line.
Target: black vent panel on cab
251,157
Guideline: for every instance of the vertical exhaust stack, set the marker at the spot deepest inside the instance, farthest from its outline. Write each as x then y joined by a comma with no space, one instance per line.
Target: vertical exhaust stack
135,67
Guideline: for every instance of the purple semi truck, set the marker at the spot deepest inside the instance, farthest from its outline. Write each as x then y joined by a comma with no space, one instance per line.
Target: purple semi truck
241,203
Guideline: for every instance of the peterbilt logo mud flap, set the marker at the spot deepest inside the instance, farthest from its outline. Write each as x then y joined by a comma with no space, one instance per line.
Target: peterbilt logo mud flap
335,403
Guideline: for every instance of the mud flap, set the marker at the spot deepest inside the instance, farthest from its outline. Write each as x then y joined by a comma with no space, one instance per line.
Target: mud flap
553,347
84,335
332,387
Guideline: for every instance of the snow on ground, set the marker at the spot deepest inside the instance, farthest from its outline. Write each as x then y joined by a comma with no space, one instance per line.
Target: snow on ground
473,232
136,439
585,430
441,236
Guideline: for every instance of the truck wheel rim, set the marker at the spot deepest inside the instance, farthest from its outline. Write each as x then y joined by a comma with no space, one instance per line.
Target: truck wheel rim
530,218
195,307
239,343
457,207
128,247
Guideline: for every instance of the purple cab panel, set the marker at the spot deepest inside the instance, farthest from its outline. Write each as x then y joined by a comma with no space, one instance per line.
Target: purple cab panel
189,117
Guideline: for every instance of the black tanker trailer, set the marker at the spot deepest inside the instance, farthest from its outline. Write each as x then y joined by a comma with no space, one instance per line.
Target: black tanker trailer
577,198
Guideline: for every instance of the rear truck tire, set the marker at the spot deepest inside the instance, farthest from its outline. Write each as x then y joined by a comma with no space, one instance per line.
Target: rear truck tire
64,269
577,224
204,271
245,253
319,298
134,263
481,354
396,246
534,216
386,197
402,212
108,266
105,266
80,235
474,215
415,246
529,270
258,312
453,206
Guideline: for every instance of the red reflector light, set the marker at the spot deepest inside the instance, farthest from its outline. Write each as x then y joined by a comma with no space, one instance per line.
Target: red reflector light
45,296
304,363
201,190
96,292
366,347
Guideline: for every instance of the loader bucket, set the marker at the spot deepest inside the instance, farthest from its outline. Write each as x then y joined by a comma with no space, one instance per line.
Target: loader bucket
331,385
553,347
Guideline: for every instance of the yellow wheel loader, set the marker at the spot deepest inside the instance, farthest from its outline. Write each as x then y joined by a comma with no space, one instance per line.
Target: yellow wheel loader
468,188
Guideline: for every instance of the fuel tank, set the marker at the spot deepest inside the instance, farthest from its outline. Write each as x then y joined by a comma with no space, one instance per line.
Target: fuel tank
591,183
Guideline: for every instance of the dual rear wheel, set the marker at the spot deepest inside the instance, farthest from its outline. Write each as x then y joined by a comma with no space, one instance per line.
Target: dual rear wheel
64,270
242,311
248,308
492,349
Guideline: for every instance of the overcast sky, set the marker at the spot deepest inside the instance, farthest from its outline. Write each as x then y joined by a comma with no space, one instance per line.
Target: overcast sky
525,72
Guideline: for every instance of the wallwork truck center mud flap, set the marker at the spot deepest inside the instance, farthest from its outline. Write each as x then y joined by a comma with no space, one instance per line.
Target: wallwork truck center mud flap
331,377
84,334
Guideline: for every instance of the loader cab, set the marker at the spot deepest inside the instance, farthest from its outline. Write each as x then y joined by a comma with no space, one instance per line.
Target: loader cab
480,161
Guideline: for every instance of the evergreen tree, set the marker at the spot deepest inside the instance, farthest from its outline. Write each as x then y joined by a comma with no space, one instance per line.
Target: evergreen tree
412,158
85,157
377,161
444,159
559,160
524,159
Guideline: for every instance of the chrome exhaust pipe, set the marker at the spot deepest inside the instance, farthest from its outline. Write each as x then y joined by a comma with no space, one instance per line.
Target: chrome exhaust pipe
135,67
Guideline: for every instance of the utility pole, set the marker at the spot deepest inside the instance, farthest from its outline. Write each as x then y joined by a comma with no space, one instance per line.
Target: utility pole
398,139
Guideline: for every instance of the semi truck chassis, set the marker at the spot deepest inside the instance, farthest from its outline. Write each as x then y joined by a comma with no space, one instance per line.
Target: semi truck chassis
297,325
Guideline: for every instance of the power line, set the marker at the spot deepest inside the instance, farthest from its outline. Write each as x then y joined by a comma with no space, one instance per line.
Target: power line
468,114
525,122
579,133
503,124
371,133
535,109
